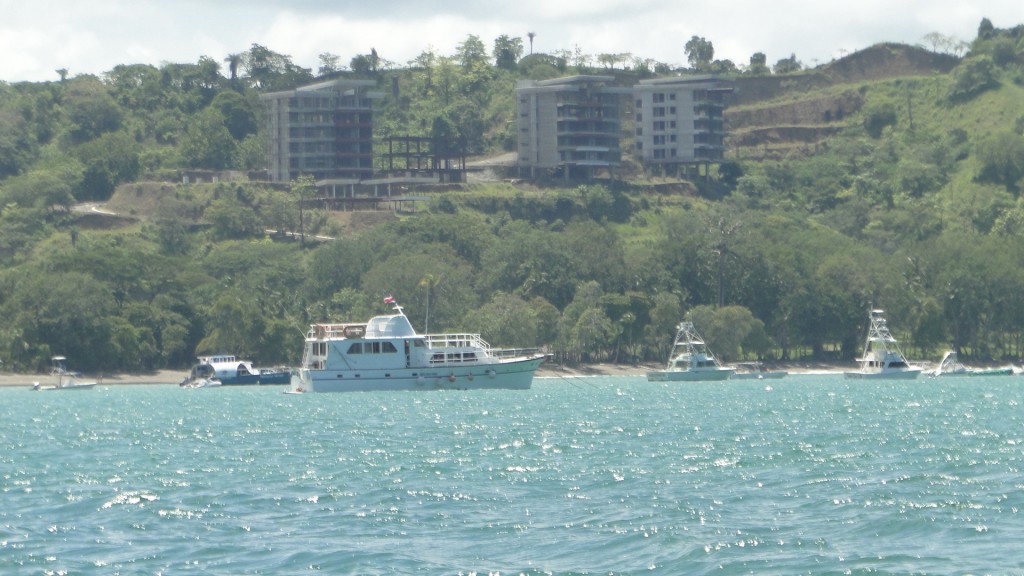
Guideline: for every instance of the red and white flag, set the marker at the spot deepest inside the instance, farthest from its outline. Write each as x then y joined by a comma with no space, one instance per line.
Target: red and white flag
389,300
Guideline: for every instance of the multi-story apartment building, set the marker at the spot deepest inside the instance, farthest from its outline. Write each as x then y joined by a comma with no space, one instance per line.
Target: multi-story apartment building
569,124
324,130
679,120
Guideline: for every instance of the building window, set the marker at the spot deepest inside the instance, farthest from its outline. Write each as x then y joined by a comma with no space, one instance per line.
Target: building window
657,97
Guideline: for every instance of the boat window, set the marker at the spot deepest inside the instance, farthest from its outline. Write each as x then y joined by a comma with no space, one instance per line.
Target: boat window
356,348
469,356
418,343
387,347
373,347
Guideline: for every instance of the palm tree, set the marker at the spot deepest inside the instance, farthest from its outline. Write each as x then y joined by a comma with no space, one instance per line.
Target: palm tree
304,188
234,61
429,282
530,35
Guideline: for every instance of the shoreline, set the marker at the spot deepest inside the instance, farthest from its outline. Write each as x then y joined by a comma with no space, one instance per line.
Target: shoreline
547,370
14,379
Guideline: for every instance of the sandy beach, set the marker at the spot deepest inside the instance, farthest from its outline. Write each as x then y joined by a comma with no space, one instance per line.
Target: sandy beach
158,377
548,370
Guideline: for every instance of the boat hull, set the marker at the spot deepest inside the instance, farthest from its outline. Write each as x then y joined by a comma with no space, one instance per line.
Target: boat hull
909,374
992,372
982,372
66,387
690,375
507,375
202,383
266,379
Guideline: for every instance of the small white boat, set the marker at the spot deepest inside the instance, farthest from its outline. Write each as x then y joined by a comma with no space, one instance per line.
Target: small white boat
386,353
756,371
690,360
882,358
201,383
66,379
951,366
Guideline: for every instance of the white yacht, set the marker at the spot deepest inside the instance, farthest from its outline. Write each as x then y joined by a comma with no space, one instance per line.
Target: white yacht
386,353
882,358
690,360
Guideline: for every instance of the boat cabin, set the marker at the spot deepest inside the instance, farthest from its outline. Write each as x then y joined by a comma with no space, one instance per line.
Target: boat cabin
221,366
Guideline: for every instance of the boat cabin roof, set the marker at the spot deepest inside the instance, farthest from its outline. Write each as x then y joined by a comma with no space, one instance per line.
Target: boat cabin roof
217,359
396,326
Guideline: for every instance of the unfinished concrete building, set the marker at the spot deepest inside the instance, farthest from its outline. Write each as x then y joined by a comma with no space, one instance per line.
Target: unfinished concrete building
679,121
324,130
568,126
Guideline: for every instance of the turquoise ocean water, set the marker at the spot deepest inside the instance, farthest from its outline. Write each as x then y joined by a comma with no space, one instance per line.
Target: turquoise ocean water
805,475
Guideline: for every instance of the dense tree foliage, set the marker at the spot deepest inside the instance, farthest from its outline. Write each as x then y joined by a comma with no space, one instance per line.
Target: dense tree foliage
913,205
699,53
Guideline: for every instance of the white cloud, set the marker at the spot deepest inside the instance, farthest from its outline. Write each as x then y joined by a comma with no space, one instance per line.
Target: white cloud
92,37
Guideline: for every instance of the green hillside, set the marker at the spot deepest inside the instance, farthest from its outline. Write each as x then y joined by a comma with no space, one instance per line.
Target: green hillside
133,234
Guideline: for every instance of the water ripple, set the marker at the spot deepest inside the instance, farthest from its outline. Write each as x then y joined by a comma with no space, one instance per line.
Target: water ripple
603,476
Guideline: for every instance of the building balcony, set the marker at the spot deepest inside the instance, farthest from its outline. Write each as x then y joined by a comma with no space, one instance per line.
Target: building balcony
610,143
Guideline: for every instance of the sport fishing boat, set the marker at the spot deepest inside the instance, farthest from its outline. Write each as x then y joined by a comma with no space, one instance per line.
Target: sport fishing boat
951,366
882,358
227,370
386,353
690,360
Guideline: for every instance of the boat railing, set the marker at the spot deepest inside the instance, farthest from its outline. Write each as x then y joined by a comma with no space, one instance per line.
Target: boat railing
335,331
514,352
456,341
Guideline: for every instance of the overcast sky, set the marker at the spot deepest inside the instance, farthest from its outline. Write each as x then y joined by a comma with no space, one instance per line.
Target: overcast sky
38,37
